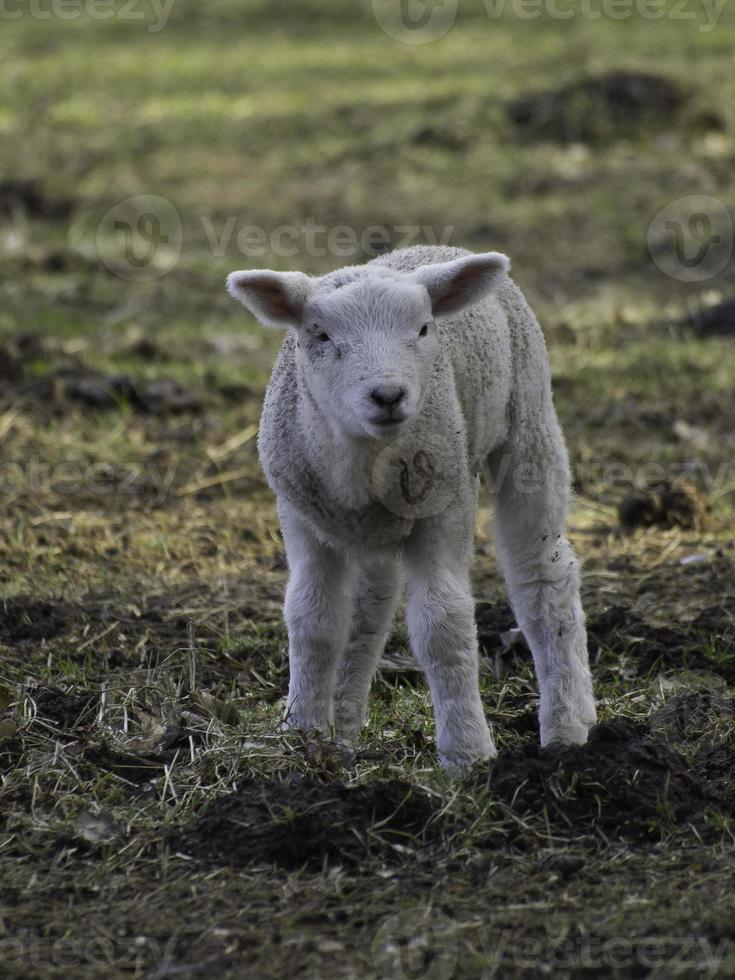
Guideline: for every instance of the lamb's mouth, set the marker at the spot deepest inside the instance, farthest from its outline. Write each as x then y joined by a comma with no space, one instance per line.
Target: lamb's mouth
383,427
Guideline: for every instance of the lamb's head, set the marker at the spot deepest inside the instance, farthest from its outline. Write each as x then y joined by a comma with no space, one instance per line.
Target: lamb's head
366,337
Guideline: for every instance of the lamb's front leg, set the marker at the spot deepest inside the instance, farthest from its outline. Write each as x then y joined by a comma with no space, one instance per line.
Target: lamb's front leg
441,622
376,595
542,574
317,613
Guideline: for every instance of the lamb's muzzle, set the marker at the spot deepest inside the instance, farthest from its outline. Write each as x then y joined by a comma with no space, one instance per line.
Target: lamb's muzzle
397,383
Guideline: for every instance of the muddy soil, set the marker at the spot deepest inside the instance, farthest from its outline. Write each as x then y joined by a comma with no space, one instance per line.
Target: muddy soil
304,823
633,782
28,197
625,783
598,109
667,647
715,321
65,381
25,619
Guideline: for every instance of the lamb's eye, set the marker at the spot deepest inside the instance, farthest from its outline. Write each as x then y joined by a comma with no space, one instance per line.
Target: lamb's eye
322,337
424,330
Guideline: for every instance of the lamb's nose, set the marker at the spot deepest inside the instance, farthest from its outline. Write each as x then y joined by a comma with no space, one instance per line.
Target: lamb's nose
388,396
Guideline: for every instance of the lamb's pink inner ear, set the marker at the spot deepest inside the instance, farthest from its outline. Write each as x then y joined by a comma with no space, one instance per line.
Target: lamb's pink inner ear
453,291
455,285
274,296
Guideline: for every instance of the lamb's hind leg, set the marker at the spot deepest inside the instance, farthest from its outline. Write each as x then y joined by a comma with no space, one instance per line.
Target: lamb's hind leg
542,574
376,592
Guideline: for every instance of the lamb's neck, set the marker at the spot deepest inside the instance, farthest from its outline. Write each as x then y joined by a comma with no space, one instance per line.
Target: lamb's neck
342,462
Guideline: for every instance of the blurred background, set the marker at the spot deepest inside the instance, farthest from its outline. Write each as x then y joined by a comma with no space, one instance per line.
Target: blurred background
150,147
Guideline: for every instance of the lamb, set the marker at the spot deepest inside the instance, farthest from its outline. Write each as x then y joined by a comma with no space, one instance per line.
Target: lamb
399,383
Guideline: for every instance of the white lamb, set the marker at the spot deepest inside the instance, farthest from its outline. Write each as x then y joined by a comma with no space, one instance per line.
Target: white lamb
398,383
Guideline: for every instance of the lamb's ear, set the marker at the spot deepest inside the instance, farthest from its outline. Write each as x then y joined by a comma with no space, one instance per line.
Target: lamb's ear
276,298
462,282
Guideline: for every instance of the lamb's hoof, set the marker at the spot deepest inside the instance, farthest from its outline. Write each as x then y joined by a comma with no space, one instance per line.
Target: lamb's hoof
458,765
328,754
563,735
320,748
345,750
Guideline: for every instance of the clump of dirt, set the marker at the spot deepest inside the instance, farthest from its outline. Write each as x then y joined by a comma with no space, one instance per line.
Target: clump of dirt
666,647
26,619
65,709
599,109
665,505
715,321
302,822
134,769
27,197
69,381
624,783
11,369
715,764
96,390
694,718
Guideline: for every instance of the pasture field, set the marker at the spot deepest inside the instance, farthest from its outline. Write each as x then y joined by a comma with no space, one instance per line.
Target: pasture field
153,820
